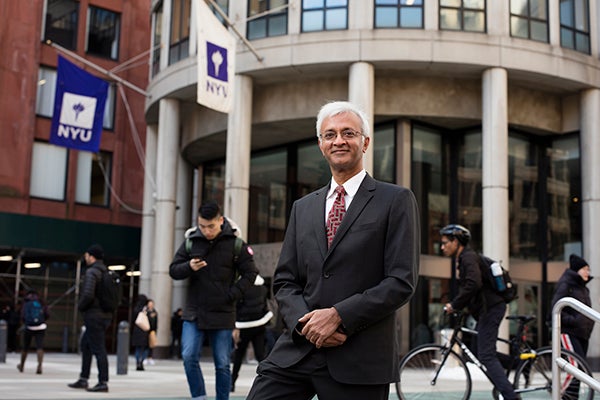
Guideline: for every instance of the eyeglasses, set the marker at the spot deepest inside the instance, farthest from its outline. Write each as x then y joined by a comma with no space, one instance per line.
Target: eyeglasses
347,134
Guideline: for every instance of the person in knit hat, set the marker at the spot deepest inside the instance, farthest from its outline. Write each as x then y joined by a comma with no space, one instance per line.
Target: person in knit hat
575,328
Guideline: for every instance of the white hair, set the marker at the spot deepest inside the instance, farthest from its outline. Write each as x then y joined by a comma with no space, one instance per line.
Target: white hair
339,107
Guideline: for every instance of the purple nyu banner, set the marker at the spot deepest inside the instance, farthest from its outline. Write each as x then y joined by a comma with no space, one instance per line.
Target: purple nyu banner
78,108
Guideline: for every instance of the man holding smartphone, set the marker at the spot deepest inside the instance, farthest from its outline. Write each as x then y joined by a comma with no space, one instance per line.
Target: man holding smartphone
208,258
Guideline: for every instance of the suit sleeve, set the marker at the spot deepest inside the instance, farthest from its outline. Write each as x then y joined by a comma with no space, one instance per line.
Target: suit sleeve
401,254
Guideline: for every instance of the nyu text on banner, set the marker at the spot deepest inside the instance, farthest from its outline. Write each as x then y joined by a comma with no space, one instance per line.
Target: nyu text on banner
216,61
78,108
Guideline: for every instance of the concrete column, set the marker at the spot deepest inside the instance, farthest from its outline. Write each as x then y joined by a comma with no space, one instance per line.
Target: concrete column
403,152
590,193
594,12
166,166
495,168
361,91
361,15
554,23
147,241
237,162
498,16
182,222
431,17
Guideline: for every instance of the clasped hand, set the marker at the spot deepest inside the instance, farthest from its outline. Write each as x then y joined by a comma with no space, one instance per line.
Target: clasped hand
322,328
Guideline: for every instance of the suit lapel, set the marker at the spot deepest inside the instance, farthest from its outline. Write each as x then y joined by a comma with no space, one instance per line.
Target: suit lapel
365,192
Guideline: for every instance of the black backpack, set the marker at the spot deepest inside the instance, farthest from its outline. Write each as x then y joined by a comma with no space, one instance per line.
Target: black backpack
109,291
33,313
502,284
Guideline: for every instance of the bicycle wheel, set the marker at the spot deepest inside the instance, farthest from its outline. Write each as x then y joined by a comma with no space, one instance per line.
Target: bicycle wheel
433,372
533,378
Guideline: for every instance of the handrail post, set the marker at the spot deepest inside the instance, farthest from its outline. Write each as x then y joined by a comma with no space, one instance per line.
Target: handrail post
556,310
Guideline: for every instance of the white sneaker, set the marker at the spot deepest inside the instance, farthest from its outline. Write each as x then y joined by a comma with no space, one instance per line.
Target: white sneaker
151,361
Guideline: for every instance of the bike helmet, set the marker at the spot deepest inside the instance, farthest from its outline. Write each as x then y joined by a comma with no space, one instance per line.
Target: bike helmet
457,231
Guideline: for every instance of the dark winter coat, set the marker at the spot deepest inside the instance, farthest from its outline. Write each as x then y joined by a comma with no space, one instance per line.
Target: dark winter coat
214,290
254,304
139,338
474,292
89,302
572,322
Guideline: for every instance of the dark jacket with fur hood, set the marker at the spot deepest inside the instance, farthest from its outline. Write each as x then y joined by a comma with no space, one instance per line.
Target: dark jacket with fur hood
214,290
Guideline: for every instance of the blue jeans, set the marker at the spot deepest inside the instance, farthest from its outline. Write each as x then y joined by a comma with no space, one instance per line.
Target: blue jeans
191,348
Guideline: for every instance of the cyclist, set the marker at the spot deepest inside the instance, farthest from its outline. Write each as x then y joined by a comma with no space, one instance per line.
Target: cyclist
483,303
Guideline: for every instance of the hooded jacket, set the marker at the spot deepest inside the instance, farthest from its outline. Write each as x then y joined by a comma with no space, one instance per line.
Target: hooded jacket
474,292
214,290
572,322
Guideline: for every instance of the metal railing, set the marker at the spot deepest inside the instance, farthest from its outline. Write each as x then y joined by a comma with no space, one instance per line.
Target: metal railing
559,363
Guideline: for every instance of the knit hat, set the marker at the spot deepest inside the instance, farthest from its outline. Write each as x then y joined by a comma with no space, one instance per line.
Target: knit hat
96,250
576,262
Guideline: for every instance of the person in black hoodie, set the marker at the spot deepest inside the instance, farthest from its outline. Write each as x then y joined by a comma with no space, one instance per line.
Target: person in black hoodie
483,303
218,278
575,328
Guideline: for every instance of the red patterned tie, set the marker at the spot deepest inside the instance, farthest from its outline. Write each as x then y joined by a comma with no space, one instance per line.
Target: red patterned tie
334,219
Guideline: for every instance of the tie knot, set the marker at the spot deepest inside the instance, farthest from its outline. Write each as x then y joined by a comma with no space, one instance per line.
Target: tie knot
340,190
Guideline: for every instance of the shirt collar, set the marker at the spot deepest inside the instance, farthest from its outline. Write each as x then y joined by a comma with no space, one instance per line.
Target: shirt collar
350,186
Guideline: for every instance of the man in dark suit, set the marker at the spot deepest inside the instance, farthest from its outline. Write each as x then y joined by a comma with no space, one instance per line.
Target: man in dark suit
339,286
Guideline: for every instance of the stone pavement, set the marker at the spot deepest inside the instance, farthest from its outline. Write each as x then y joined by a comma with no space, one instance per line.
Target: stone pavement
163,380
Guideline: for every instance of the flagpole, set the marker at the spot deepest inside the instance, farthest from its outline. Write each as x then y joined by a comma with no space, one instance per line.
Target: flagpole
97,68
238,34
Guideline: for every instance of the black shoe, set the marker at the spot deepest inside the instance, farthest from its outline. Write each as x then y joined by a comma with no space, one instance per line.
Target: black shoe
100,387
140,367
80,384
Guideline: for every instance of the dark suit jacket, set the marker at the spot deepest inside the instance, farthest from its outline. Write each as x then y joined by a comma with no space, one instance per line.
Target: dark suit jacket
370,271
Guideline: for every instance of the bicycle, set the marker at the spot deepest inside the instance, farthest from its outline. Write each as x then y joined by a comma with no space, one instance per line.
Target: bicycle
434,371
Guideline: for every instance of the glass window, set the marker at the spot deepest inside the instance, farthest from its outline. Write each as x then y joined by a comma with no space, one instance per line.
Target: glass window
564,198
529,19
46,88
179,46
157,38
384,153
214,181
523,198
462,15
103,33
398,13
48,171
61,22
469,179
313,170
267,18
268,197
93,178
574,25
324,15
429,182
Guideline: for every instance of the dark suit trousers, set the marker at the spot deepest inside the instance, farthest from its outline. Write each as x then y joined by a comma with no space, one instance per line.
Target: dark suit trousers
308,378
